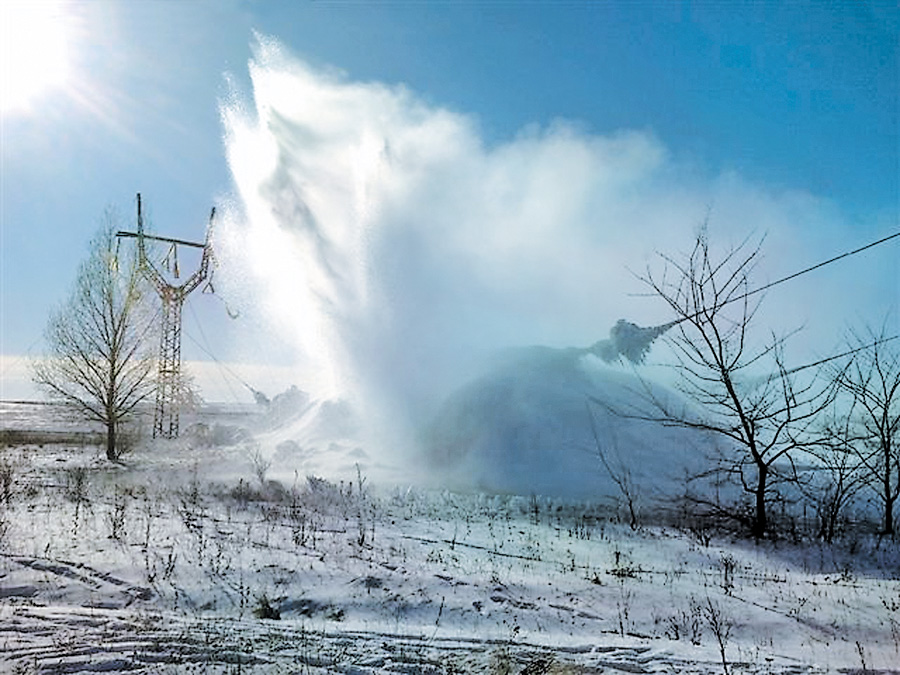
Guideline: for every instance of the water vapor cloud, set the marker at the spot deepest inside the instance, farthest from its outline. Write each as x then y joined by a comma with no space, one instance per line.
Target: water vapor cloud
385,240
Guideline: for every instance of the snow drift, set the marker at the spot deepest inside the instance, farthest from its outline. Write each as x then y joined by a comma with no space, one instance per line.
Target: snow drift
528,427
552,422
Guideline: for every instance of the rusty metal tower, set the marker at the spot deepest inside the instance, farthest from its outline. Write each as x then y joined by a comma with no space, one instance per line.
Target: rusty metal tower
169,382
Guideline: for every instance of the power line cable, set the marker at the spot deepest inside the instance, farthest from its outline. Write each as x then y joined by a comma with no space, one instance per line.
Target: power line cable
790,277
632,341
221,366
850,352
207,351
258,396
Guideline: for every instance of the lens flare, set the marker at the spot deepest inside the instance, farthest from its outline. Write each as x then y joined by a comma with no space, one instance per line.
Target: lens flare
34,51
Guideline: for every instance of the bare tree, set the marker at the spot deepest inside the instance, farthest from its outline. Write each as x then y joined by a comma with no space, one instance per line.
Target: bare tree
837,475
741,394
98,362
617,470
872,380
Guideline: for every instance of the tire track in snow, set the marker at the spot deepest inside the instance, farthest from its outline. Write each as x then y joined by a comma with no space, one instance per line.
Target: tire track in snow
59,639
104,584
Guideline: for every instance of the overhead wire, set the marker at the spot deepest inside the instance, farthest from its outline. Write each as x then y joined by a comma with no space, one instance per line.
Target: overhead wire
858,349
806,270
850,352
662,328
258,396
790,277
204,348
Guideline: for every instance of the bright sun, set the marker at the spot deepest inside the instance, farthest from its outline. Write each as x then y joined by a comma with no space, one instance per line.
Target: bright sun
34,51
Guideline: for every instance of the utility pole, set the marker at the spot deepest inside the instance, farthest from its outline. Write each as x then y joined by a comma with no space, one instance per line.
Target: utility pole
169,384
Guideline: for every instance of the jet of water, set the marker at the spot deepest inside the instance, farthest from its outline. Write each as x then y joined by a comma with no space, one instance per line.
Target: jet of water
627,339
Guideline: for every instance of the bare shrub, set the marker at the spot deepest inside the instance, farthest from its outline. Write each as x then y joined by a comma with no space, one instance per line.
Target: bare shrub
502,662
892,607
130,436
7,481
76,488
265,610
260,464
620,473
686,624
115,517
363,521
4,523
720,626
728,563
623,606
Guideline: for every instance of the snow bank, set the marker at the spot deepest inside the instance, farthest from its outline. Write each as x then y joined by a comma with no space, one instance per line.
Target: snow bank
528,427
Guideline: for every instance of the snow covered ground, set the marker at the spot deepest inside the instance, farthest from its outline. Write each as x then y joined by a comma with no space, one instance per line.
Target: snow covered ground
189,557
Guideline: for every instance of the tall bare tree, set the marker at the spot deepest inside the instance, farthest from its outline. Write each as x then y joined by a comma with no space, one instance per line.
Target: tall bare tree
99,360
737,392
872,381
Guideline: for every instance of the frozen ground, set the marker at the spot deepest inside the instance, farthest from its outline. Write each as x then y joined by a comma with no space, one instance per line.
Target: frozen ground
179,559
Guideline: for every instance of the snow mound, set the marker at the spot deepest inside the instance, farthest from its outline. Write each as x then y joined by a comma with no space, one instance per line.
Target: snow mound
528,427
302,435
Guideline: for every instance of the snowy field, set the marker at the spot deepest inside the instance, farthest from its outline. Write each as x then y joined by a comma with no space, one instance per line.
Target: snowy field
201,557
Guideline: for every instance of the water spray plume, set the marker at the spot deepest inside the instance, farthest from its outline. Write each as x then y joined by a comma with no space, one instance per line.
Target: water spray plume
394,253
627,340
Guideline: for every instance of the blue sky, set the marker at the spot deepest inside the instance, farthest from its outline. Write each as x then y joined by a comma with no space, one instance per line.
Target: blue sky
796,103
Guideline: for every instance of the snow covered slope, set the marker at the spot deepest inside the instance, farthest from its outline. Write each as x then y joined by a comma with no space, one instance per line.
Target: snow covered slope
528,427
525,427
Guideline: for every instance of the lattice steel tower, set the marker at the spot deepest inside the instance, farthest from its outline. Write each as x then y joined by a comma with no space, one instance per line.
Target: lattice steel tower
169,382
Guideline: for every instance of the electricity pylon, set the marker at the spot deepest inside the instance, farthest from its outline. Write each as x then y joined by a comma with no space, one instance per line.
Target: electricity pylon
169,383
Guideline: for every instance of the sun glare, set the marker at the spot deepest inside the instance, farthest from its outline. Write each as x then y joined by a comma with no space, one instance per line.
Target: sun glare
34,51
